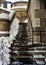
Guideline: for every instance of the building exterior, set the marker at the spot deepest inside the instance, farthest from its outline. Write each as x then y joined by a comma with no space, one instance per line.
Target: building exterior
37,15
2,3
29,45
20,10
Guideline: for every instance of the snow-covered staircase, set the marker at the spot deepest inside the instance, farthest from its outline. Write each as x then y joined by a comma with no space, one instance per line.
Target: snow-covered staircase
22,44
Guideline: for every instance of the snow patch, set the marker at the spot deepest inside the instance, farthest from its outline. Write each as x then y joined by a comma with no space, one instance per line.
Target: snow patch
4,50
4,16
11,14
14,29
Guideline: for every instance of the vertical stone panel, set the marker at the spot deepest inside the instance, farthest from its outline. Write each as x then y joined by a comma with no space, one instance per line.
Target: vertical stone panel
35,4
38,23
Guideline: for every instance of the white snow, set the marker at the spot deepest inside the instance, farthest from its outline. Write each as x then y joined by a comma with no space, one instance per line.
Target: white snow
40,62
14,29
11,14
4,32
4,50
26,21
4,16
0,62
39,56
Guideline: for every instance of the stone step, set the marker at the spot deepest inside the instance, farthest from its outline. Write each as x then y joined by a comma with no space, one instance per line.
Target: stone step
39,57
22,46
38,48
40,62
32,52
22,57
21,49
